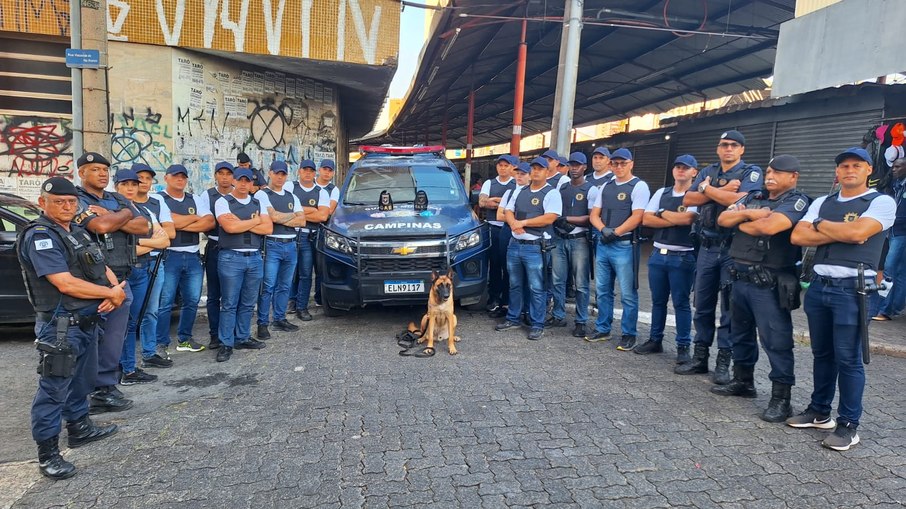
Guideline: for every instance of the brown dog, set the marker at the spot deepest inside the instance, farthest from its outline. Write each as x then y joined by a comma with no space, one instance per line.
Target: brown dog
439,322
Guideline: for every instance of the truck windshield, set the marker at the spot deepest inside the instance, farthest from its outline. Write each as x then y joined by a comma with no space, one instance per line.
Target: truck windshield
402,182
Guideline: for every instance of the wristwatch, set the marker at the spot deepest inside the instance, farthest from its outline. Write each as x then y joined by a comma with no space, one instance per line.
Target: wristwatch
150,228
816,222
659,213
704,185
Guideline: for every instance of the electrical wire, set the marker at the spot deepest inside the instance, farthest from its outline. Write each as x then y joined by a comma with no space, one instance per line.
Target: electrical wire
704,4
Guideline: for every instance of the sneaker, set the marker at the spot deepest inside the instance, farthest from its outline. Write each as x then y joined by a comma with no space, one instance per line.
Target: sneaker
224,353
291,307
263,333
156,361
579,330
682,355
598,337
189,346
554,322
650,346
249,344
526,320
215,343
304,315
285,326
492,306
843,437
507,325
811,419
627,343
137,377
317,303
535,334
163,352
501,312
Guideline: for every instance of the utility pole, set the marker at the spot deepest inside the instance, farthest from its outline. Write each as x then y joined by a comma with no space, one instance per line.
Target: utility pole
567,74
519,94
90,108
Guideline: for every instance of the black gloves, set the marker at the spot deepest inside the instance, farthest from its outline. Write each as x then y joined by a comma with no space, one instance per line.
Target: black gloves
563,226
608,235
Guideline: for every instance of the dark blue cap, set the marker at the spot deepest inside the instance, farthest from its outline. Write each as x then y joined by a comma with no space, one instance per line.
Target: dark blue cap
243,172
175,169
857,152
307,163
734,135
540,161
328,163
551,153
508,159
223,165
92,158
578,157
140,167
563,161
243,158
622,153
125,176
686,160
59,186
279,167
603,151
784,162
523,167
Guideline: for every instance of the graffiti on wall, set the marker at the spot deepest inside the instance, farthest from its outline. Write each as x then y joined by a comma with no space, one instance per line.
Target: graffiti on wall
33,149
140,136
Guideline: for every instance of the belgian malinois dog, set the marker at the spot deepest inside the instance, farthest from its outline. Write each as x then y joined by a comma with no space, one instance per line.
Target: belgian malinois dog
439,322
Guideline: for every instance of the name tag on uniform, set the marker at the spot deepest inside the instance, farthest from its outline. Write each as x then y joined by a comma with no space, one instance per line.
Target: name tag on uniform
43,244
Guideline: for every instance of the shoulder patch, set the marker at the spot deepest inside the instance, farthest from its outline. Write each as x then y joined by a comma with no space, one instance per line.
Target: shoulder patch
800,205
754,176
42,244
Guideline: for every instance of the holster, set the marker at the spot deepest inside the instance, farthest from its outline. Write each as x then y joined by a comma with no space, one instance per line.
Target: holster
788,291
57,357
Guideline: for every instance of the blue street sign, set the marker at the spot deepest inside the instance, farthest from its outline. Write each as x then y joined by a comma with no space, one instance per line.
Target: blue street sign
83,58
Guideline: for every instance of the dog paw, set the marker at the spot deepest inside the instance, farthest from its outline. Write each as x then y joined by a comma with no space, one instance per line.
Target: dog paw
456,338
453,351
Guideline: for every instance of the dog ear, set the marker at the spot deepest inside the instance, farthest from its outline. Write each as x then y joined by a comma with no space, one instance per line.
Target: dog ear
450,273
433,275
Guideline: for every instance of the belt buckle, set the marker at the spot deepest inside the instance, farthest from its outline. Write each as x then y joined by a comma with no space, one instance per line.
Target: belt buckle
663,250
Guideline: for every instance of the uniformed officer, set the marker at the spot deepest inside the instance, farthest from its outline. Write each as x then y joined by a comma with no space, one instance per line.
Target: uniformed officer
243,220
671,266
847,229
530,214
489,199
316,204
68,285
223,184
324,180
616,215
115,222
280,251
127,185
521,177
765,286
183,271
716,187
553,176
570,254
600,163
244,161
895,261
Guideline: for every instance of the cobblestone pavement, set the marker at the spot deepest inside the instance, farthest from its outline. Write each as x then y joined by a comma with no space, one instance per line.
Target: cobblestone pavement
333,417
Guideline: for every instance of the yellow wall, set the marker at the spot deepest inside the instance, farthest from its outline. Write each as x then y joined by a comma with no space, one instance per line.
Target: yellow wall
804,7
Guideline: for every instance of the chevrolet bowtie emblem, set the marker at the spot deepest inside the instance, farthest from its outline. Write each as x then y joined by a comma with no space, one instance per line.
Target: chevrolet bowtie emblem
405,250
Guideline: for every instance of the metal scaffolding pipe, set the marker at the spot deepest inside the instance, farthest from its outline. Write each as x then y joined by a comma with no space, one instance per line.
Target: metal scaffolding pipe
519,94
567,73
471,124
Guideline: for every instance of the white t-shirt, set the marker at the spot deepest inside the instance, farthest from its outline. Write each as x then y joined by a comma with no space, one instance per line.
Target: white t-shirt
655,204
202,208
486,190
333,194
553,204
640,194
221,207
323,198
297,207
882,209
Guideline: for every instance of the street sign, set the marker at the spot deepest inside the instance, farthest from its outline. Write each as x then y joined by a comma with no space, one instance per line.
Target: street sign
83,58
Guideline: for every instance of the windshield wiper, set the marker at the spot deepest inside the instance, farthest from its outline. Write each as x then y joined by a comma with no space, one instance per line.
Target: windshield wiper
355,203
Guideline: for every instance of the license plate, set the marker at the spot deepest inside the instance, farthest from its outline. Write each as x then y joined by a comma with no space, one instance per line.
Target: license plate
404,286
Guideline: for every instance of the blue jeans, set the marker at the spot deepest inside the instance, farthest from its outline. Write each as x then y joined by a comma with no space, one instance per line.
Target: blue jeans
670,276
182,271
279,265
615,260
149,321
498,280
211,254
755,308
526,276
305,264
833,325
240,279
571,256
712,272
138,281
895,269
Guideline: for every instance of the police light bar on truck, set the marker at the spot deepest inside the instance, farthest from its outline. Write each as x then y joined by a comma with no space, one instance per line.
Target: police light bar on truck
401,151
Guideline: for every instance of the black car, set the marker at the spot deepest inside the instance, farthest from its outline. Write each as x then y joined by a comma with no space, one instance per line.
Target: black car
15,213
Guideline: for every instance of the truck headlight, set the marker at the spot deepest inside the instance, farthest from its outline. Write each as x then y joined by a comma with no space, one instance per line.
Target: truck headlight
338,242
468,240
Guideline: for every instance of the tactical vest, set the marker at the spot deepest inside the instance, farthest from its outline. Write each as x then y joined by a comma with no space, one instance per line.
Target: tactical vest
154,206
496,191
899,224
281,203
707,213
329,187
598,181
771,251
245,240
307,198
84,258
616,202
674,235
145,212
554,180
849,255
213,196
575,199
530,204
118,246
185,207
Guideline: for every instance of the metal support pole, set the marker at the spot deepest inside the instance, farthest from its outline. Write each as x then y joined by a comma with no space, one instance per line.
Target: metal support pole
567,74
75,41
471,124
519,94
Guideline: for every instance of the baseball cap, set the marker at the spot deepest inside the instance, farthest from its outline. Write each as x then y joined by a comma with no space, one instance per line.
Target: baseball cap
307,163
603,151
563,161
328,163
551,153
784,162
734,135
622,153
176,169
857,152
578,157
540,161
125,176
92,158
59,186
523,167
686,160
509,159
243,158
278,167
140,167
243,172
223,165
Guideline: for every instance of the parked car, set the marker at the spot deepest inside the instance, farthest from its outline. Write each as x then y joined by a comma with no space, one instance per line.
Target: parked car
15,213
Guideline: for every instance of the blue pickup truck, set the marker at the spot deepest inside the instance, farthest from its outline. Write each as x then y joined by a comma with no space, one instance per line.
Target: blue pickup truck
403,214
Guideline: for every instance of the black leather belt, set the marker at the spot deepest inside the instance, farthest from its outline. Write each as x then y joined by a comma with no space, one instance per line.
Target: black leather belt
842,282
669,252
573,235
536,242
74,320
245,253
281,239
709,242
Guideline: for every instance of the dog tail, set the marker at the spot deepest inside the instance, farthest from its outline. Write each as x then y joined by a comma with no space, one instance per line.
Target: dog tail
412,327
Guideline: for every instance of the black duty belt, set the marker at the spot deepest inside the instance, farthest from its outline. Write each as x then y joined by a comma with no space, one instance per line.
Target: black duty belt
669,252
281,239
842,282
245,253
74,320
709,242
536,242
573,235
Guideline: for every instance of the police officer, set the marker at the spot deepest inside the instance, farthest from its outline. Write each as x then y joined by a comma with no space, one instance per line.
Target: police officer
847,229
671,266
280,251
570,254
183,271
530,213
600,163
223,185
616,215
316,204
115,222
324,180
521,177
765,287
553,176
716,187
489,199
244,161
895,261
68,285
243,220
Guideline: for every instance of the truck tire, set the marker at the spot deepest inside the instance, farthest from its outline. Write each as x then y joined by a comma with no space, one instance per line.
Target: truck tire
328,310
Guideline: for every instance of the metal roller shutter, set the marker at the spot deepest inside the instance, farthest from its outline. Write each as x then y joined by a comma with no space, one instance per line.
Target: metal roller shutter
758,143
702,145
651,163
34,79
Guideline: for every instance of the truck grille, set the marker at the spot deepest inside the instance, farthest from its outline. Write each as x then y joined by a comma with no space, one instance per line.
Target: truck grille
366,249
401,264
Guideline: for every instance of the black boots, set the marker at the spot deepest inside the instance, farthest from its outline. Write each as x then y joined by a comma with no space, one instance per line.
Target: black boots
50,463
83,431
699,362
722,367
742,384
779,408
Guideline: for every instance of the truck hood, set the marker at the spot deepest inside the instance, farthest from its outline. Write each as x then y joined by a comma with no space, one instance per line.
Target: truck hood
402,220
